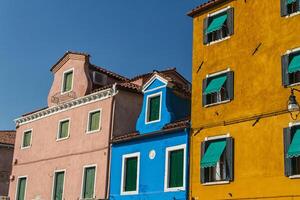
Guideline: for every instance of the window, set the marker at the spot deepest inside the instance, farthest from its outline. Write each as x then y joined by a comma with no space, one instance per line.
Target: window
217,160
218,26
58,187
94,121
63,131
26,142
175,168
290,68
21,188
130,174
89,179
292,151
153,108
67,81
289,7
217,88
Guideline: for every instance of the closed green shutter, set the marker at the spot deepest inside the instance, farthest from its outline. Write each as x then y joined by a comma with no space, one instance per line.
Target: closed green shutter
68,79
230,21
64,129
287,161
94,121
154,108
89,182
27,139
58,186
176,168
131,174
205,36
21,189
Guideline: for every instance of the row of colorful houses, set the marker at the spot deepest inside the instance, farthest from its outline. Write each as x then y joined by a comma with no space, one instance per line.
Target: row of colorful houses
233,135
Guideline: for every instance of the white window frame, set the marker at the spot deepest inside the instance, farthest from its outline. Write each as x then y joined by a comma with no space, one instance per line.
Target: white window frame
22,142
58,131
124,157
147,107
53,183
63,81
17,188
88,121
167,174
82,182
287,53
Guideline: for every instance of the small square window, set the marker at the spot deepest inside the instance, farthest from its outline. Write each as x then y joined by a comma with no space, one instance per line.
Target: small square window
67,81
63,129
153,112
27,139
94,121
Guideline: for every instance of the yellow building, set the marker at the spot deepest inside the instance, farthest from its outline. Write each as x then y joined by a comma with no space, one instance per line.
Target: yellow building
245,141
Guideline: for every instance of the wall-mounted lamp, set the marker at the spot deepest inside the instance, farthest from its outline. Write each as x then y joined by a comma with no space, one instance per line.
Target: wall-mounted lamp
293,104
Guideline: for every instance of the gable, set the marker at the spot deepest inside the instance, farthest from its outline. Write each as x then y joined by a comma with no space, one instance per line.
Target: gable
155,83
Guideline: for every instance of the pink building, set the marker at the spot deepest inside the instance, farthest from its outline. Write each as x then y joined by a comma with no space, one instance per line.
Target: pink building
7,141
63,151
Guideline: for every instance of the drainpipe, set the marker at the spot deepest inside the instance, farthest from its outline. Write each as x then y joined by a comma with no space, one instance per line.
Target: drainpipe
111,129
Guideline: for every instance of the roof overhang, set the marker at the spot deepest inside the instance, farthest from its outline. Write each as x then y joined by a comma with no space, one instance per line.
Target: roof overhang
205,6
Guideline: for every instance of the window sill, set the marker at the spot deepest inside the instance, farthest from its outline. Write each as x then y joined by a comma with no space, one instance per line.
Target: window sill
177,189
293,14
28,147
92,132
218,103
217,41
61,139
216,183
129,193
294,177
293,85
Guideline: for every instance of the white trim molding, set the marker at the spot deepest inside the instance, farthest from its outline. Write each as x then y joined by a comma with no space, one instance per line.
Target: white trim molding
217,137
154,77
147,107
218,12
54,180
216,183
22,142
83,176
167,175
218,73
290,51
94,97
17,188
59,126
63,81
124,157
88,121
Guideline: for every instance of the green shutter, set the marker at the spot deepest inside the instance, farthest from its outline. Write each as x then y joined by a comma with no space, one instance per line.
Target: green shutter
294,148
27,139
94,121
131,174
176,168
213,154
89,182
294,65
64,129
217,22
154,108
68,79
59,186
215,84
21,189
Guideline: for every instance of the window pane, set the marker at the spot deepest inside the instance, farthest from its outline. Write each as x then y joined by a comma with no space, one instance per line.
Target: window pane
59,186
131,174
154,108
176,168
68,78
21,189
94,121
64,129
89,181
27,139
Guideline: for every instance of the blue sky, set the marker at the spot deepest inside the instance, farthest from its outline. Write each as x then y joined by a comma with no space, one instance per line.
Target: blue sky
126,36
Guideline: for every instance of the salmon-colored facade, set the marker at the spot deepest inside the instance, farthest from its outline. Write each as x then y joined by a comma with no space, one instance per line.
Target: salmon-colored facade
46,154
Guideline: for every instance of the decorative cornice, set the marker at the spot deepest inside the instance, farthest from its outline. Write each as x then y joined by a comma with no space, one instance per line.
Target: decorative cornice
97,96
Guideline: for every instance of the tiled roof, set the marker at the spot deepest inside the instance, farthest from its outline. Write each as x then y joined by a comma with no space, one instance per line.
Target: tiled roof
204,6
180,124
146,75
123,85
7,137
109,73
34,111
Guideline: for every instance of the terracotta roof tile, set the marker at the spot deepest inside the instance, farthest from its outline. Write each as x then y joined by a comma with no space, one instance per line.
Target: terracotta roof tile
123,85
7,137
204,6
34,111
109,73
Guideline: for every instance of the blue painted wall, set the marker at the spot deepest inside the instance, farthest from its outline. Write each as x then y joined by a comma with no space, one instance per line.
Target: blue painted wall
173,108
152,172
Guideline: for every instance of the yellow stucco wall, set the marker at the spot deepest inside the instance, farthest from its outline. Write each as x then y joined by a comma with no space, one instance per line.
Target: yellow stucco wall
258,159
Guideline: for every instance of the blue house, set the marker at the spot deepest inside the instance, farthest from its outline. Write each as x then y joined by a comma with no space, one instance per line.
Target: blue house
152,163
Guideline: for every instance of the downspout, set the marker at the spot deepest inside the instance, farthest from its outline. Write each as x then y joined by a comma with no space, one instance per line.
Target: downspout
111,128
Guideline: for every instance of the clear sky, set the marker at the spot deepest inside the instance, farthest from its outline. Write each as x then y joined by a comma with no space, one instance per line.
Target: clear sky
129,37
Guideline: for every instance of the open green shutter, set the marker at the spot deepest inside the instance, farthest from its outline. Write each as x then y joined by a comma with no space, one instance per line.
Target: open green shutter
64,129
154,108
294,65
176,163
94,121
131,174
21,189
213,154
89,182
68,79
59,186
215,84
217,22
27,139
294,148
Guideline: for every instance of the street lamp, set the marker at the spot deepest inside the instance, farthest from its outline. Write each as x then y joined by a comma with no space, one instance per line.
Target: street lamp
293,104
